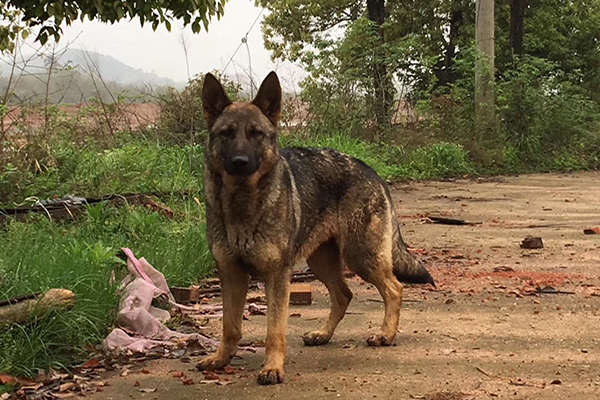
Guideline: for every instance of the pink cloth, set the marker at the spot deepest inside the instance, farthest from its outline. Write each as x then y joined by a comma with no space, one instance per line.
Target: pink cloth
139,317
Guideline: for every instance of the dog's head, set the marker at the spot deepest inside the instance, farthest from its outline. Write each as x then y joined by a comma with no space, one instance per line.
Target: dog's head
242,136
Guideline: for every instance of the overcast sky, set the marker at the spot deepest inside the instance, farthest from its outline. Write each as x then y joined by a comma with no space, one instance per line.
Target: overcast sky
162,52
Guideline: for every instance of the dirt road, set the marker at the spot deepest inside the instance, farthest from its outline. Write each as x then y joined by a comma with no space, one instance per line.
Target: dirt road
482,334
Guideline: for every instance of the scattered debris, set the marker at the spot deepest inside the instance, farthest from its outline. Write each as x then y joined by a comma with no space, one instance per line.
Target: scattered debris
450,221
531,242
517,382
69,207
551,290
255,309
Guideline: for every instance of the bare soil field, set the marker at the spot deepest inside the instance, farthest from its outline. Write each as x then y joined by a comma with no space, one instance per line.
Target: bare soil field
504,322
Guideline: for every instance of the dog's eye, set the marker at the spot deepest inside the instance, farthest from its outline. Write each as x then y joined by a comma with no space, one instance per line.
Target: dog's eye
228,133
255,133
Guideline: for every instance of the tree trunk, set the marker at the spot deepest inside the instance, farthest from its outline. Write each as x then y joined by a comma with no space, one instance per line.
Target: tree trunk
456,20
517,10
484,69
383,90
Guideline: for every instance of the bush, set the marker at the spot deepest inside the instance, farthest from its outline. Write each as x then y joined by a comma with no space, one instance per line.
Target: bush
441,160
181,119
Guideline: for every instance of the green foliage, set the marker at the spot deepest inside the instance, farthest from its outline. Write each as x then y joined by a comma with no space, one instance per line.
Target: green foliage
133,167
438,161
11,29
441,160
49,15
543,113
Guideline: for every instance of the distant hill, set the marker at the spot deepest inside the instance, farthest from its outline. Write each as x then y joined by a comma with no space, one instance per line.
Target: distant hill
110,68
114,70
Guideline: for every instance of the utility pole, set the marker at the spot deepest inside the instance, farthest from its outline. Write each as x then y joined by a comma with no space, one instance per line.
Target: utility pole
484,68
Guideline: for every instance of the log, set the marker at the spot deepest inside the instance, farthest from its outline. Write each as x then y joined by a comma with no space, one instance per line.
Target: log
20,311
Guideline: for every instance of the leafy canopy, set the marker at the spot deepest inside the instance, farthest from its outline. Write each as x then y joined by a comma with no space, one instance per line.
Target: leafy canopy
50,15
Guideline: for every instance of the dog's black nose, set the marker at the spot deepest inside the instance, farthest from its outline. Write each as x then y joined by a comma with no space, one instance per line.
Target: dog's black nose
240,165
240,162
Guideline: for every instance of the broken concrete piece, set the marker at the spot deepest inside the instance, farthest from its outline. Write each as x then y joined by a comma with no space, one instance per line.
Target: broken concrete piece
532,243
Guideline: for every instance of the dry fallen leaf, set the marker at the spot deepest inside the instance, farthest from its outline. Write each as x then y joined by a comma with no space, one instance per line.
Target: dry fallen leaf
65,387
64,395
91,363
6,379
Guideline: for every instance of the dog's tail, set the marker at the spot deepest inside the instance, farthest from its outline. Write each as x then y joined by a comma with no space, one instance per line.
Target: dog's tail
406,267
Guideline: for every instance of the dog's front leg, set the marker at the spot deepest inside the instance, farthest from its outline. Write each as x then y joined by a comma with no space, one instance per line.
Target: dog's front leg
234,287
277,288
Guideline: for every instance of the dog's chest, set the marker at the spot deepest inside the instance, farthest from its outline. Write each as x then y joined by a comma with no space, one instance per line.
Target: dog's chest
259,246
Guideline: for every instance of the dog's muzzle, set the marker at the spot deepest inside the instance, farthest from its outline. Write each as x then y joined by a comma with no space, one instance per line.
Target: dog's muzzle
241,166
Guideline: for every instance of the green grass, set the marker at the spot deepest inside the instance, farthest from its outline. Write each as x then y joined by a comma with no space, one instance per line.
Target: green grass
437,161
137,166
80,256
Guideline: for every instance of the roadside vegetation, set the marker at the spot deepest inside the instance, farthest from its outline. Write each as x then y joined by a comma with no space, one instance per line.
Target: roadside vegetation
547,118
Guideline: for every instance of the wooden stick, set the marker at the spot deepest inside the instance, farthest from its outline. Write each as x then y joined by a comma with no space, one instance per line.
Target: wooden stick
53,299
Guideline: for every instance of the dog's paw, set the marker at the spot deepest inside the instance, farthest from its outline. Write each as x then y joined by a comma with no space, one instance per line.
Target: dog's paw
212,363
379,341
315,338
270,376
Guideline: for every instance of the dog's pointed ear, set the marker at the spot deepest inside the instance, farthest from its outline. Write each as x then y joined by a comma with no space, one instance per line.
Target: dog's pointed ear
214,99
268,98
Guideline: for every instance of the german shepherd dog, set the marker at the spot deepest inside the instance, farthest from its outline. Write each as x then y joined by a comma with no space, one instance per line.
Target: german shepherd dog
267,208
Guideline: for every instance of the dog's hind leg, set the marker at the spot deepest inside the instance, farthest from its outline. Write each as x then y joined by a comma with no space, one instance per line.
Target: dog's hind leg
367,250
326,264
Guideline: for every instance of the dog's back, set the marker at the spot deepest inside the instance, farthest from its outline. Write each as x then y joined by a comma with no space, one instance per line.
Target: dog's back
338,193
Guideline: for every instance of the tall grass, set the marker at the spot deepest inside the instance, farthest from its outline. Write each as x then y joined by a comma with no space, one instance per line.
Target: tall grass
437,161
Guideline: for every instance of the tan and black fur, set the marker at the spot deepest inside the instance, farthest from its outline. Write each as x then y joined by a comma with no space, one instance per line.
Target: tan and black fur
268,208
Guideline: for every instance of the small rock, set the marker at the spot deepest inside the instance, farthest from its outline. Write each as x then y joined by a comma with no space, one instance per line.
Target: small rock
556,382
584,351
